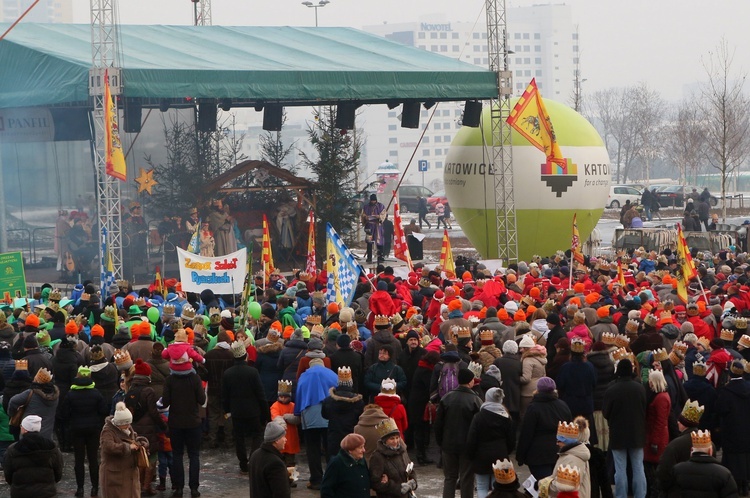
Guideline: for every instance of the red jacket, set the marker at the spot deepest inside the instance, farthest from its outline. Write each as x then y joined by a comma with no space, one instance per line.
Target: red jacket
393,408
657,430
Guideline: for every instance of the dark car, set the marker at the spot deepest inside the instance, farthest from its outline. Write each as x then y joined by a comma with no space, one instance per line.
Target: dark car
674,195
437,196
407,196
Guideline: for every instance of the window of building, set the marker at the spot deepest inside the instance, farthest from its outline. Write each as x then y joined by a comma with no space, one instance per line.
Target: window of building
575,48
391,114
443,36
454,36
485,61
527,60
537,36
484,36
446,112
525,36
575,60
538,72
456,48
438,139
437,125
475,36
537,48
425,152
423,47
457,112
527,48
433,48
519,86
517,36
446,138
477,60
443,48
392,140
393,153
537,60
392,127
519,72
421,35
433,36
519,60
439,164
575,36
477,48
527,72
423,113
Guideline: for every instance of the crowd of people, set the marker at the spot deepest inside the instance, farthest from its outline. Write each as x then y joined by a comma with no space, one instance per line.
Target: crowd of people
596,387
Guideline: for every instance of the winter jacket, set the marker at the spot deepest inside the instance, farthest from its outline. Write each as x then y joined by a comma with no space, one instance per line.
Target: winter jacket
554,335
370,418
533,364
347,357
702,476
267,364
537,441
36,360
43,402
268,473
218,360
141,348
408,361
511,370
380,371
648,341
242,392
373,344
420,392
454,414
179,355
577,455
605,373
392,407
184,395
657,428
624,406
345,477
491,437
342,408
678,450
392,463
601,326
576,383
289,358
147,421
700,389
106,378
84,408
732,407
581,331
32,466
118,472
159,374
500,331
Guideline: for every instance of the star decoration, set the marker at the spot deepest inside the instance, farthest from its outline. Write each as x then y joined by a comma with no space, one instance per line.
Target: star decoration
146,181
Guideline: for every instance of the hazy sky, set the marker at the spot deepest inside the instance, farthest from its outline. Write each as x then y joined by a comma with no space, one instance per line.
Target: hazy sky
623,42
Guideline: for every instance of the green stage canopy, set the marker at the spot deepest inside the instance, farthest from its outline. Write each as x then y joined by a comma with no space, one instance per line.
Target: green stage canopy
48,65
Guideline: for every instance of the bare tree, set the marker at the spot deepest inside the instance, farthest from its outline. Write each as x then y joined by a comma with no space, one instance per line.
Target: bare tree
576,96
647,114
725,114
615,109
685,139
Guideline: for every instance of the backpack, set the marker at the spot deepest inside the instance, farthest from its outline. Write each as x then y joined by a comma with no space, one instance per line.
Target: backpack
133,403
448,379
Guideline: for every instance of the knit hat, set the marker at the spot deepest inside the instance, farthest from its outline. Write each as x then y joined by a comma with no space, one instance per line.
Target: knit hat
465,376
352,441
545,385
273,432
32,321
315,344
526,342
227,324
97,331
122,360
494,395
343,341
297,335
43,376
32,423
510,347
30,342
122,415
43,338
624,368
238,349
71,328
142,368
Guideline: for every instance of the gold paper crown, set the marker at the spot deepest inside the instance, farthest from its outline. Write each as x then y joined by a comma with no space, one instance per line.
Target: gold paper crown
123,284
285,387
680,346
396,319
568,478
169,310
504,471
345,376
463,333
609,338
55,295
577,345
188,312
568,430
701,440
737,367
744,341
622,341
676,357
110,312
381,321
214,311
318,330
700,368
486,335
740,323
313,319
650,320
22,364
579,317
352,330
660,354
474,319
388,386
620,354
692,412
53,306
747,367
665,316
726,335
214,319
387,427
140,302
632,326
476,369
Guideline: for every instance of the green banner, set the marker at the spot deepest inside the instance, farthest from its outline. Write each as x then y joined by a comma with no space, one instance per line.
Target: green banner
12,276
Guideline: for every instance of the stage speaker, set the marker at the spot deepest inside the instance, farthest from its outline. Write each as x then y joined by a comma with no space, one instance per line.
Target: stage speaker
132,116
345,115
410,115
207,116
272,117
472,113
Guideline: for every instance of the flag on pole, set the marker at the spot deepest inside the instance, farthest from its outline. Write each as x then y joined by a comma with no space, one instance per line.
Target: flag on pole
575,243
400,247
159,282
342,269
194,245
115,159
685,266
620,274
529,118
446,257
265,256
107,277
311,267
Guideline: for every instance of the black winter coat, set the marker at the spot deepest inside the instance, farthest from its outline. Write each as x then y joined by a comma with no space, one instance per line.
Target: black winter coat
605,373
218,360
554,335
381,338
702,390
289,359
267,364
268,474
65,365
601,487
84,408
184,395
624,407
13,387
491,438
346,477
408,362
32,466
347,357
576,382
107,380
537,441
702,477
454,415
732,408
36,360
511,370
419,395
242,393
678,450
342,408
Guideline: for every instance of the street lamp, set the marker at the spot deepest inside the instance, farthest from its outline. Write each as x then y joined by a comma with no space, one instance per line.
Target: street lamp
316,6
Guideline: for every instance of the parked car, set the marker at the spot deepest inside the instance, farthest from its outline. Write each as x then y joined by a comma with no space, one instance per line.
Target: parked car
620,194
407,195
437,196
674,195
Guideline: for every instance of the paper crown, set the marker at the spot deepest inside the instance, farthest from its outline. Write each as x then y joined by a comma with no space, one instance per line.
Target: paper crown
352,330
123,284
474,320
609,338
504,471
665,317
567,430
632,326
579,317
726,335
487,336
568,478
55,295
317,330
169,310
650,320
463,333
577,345
285,388
122,359
345,376
476,369
703,341
668,305
214,319
214,311
740,323
388,386
397,319
744,341
386,428
692,412
701,440
700,368
620,354
22,364
676,357
54,306
382,321
737,367
622,341
680,346
313,319
188,312
660,354
110,313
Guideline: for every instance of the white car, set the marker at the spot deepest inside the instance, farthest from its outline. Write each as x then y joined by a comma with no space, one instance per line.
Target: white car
620,194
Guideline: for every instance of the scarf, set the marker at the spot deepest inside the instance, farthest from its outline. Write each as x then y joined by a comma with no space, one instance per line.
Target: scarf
425,364
497,408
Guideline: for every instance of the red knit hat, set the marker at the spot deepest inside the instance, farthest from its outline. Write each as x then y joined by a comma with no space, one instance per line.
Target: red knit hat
454,305
32,321
97,331
71,328
142,368
128,302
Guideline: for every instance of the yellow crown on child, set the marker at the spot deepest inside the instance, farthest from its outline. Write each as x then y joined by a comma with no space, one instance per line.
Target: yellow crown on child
701,440
504,471
567,430
609,338
285,388
660,354
345,376
169,310
568,478
577,345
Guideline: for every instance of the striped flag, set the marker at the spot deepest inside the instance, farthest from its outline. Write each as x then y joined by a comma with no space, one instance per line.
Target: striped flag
265,256
575,243
115,159
400,247
107,277
159,282
311,267
446,257
620,274
685,266
342,269
194,245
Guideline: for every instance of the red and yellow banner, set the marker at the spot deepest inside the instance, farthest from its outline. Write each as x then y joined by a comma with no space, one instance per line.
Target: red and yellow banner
265,256
400,247
446,257
575,243
685,266
311,267
115,159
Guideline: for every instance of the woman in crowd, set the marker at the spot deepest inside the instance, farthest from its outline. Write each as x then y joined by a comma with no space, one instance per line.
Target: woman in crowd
119,443
391,471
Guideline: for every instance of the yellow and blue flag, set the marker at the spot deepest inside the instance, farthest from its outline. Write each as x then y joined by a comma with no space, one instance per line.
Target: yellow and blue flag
342,269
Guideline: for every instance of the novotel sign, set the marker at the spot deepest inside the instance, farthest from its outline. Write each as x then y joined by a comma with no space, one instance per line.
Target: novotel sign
436,27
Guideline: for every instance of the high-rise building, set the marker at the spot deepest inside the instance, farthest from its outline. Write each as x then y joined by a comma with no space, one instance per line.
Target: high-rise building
544,42
46,11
